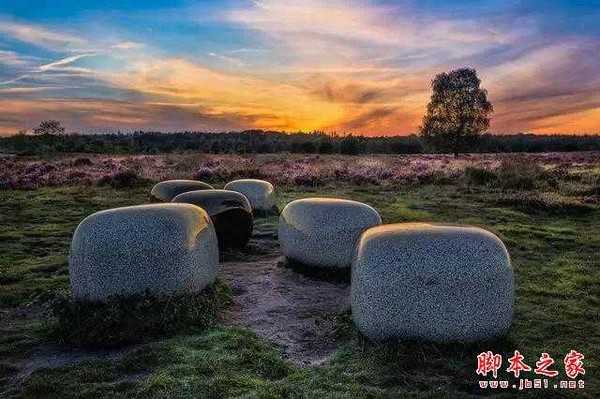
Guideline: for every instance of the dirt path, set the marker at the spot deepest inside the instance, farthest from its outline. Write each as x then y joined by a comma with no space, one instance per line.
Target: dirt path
294,311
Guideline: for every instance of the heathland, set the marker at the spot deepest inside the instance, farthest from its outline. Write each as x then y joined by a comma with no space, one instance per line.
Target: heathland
545,207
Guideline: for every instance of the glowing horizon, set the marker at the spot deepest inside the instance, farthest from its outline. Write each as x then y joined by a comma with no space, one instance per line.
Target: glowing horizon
344,66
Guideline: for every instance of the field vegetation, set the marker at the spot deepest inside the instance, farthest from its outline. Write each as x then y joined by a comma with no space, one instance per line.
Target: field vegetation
545,207
547,171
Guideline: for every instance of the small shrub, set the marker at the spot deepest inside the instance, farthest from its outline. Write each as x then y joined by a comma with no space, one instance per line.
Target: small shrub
517,174
557,177
81,162
122,179
126,320
435,177
40,168
206,174
479,176
247,172
78,177
544,202
308,179
361,179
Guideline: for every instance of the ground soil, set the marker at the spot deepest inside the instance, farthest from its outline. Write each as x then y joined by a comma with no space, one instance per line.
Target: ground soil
293,310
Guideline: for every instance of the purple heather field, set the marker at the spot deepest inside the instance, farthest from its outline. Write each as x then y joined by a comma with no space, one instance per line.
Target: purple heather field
309,170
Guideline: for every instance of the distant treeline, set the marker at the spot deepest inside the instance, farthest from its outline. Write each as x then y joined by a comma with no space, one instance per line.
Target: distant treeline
258,141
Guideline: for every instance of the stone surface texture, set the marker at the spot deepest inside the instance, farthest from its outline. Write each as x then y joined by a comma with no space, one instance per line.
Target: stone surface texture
260,193
323,232
167,190
431,282
230,212
160,248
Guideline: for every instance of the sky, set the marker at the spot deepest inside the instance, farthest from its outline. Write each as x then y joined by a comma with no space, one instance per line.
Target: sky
332,65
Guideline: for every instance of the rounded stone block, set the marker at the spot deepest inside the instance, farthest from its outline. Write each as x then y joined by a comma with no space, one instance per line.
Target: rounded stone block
167,190
431,282
259,193
229,211
323,232
161,249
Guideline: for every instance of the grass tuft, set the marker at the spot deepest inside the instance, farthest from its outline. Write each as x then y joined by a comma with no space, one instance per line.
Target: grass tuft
121,321
552,203
122,179
518,174
479,176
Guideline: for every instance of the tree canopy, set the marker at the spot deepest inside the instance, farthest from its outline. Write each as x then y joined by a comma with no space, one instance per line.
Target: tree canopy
458,112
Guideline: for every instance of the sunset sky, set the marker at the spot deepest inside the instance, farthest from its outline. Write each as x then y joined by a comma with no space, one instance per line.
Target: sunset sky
334,65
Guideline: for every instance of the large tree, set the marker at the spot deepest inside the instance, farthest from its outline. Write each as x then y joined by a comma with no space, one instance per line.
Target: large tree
458,113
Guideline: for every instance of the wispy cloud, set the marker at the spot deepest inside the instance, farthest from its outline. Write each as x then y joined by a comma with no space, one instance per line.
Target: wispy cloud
269,104
127,45
110,115
59,65
361,30
231,60
246,50
12,58
20,90
38,35
547,82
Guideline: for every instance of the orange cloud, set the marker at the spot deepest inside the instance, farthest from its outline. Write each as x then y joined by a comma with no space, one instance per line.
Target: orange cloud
112,115
584,122
270,104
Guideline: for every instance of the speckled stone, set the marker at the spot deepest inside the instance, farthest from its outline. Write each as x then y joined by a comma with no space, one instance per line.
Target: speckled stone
160,248
431,282
259,193
323,232
169,189
229,211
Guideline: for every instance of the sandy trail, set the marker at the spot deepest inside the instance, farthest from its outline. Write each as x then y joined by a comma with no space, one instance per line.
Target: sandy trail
290,309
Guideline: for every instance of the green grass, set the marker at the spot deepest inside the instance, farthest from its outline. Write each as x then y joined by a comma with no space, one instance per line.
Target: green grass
121,321
218,363
554,255
36,234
